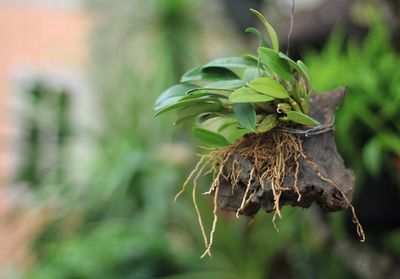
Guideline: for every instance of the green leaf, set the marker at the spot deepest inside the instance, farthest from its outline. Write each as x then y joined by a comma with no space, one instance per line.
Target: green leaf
184,103
270,29
227,84
172,95
233,132
250,74
269,87
231,62
304,70
221,114
301,118
226,127
210,138
227,123
247,95
290,61
208,74
271,59
266,107
268,123
263,42
251,57
197,109
246,115
202,94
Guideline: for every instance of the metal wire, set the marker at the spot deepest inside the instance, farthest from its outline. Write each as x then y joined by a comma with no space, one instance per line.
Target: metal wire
291,27
320,129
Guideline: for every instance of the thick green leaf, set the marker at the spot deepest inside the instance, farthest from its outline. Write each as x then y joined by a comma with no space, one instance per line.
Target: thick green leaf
247,95
226,115
227,84
246,115
269,87
251,57
250,74
227,123
266,107
215,121
172,95
269,122
304,70
271,59
263,42
290,61
231,63
233,132
208,74
184,103
226,127
197,109
270,29
202,94
301,118
210,138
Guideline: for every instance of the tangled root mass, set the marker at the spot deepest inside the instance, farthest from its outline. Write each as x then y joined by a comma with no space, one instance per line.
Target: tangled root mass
273,156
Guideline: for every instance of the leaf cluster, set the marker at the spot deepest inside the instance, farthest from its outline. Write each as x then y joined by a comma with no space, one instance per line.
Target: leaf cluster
230,97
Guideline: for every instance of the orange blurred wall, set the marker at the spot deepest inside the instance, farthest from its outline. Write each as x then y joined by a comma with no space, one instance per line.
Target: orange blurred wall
41,36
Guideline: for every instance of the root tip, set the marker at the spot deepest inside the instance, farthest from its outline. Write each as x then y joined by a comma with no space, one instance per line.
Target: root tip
176,197
207,252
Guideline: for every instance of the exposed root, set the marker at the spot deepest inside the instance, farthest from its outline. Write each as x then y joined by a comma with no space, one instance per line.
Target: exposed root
214,225
245,194
359,228
273,156
200,220
189,178
217,178
296,178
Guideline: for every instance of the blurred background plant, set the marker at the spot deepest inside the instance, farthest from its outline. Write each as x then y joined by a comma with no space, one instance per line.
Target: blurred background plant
117,219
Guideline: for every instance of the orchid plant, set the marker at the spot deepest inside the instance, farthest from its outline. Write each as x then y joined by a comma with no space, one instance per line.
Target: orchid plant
228,98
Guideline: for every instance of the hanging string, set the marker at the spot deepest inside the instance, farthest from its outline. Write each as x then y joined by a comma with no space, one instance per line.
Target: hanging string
291,27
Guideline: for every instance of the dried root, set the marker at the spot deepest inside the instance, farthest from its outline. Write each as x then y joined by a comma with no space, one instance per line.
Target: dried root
273,156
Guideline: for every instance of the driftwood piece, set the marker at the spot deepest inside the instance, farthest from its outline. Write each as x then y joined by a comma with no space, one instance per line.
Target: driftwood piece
321,149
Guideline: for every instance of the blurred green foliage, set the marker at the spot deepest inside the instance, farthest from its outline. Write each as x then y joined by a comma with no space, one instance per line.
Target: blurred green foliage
368,122
125,201
126,225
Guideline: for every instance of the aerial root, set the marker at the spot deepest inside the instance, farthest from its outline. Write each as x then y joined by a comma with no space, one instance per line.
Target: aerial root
245,193
296,177
273,156
214,225
199,218
216,180
189,178
359,228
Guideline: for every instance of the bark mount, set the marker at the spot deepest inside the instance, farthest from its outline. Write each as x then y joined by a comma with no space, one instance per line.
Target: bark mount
321,149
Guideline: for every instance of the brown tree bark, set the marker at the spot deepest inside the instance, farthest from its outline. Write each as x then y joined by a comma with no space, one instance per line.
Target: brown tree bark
321,149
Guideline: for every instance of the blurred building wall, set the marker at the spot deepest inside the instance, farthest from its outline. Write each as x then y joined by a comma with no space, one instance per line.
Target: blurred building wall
42,37
46,40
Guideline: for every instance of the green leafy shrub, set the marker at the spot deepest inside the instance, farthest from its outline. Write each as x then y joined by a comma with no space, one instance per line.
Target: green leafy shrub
367,124
234,96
